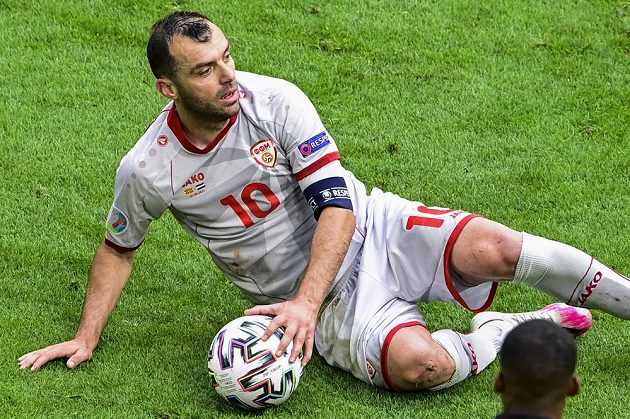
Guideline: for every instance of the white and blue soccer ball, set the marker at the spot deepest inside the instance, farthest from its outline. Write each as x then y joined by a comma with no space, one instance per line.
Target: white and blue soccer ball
245,371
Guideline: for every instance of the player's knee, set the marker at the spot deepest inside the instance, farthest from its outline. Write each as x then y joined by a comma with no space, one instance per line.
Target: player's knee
487,249
504,246
425,371
415,363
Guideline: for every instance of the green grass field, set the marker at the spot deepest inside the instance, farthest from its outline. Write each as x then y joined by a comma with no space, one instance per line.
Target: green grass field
519,110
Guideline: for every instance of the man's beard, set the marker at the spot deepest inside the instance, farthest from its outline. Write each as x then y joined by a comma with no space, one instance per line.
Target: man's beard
204,110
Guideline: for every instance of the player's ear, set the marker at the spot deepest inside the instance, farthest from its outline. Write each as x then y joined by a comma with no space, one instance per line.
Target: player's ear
575,385
166,87
498,383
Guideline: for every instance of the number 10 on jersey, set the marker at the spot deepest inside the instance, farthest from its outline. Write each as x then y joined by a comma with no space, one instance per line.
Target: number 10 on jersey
251,204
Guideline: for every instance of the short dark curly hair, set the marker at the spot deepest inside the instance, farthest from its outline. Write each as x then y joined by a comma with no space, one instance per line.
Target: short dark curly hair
538,356
192,25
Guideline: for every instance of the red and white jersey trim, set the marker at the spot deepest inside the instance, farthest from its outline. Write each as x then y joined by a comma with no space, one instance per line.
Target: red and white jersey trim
318,164
385,351
175,124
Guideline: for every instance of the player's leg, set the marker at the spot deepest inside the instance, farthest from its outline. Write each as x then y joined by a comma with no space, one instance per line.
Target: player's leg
401,354
413,359
382,340
486,250
573,276
388,347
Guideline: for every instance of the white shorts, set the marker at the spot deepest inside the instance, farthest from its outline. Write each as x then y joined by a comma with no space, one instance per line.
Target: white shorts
405,259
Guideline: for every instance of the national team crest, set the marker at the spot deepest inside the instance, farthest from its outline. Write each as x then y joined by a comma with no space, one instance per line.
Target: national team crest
264,152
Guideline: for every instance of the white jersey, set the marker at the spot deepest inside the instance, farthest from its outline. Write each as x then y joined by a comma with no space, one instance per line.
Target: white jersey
250,198
242,197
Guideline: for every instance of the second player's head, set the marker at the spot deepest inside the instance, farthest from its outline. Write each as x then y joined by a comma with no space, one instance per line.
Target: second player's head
192,62
538,360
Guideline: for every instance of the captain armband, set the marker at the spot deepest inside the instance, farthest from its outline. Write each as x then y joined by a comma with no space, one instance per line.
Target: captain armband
329,192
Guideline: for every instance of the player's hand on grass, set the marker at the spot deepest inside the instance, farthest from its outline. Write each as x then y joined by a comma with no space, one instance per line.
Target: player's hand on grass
76,352
298,317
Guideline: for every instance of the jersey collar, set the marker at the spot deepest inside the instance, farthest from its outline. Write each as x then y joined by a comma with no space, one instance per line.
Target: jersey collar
175,124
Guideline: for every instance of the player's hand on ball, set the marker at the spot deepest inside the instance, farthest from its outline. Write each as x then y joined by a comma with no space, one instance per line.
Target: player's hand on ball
76,352
298,317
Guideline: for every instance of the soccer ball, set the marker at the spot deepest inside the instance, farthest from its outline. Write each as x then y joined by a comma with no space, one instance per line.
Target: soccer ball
245,371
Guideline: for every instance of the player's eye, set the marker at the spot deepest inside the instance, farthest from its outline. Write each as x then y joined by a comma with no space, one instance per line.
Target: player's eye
227,57
204,71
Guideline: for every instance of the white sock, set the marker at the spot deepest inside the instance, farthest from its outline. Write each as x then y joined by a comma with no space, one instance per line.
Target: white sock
472,353
572,276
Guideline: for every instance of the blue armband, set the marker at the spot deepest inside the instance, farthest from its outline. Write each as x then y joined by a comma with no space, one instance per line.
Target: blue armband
330,192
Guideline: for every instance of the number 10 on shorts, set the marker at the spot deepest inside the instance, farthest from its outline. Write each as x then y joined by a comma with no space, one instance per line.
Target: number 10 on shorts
423,221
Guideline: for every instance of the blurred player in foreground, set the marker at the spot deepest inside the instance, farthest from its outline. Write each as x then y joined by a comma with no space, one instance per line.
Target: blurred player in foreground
537,373
246,166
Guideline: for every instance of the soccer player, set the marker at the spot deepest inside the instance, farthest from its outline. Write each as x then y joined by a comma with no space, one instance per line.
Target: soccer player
537,373
246,166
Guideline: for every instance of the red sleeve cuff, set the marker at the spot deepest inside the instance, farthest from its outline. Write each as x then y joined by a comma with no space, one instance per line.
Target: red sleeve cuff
120,249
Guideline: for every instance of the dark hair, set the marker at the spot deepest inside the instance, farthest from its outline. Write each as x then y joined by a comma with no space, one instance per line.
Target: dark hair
189,24
538,355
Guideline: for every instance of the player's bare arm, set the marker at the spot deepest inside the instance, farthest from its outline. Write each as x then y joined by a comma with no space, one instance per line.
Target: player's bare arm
110,272
299,316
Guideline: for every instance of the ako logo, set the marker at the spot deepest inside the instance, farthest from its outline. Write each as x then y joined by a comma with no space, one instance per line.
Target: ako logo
195,185
590,288
264,152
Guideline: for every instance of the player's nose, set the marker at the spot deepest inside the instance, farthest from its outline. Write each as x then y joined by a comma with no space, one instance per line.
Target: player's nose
227,73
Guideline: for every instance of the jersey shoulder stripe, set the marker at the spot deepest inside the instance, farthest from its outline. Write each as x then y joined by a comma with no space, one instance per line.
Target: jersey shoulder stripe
318,164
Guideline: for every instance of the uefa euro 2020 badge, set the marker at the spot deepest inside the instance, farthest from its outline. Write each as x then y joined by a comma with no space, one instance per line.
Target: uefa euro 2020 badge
117,221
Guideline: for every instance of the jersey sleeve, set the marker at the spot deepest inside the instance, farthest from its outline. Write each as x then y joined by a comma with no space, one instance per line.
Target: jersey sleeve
312,153
136,204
